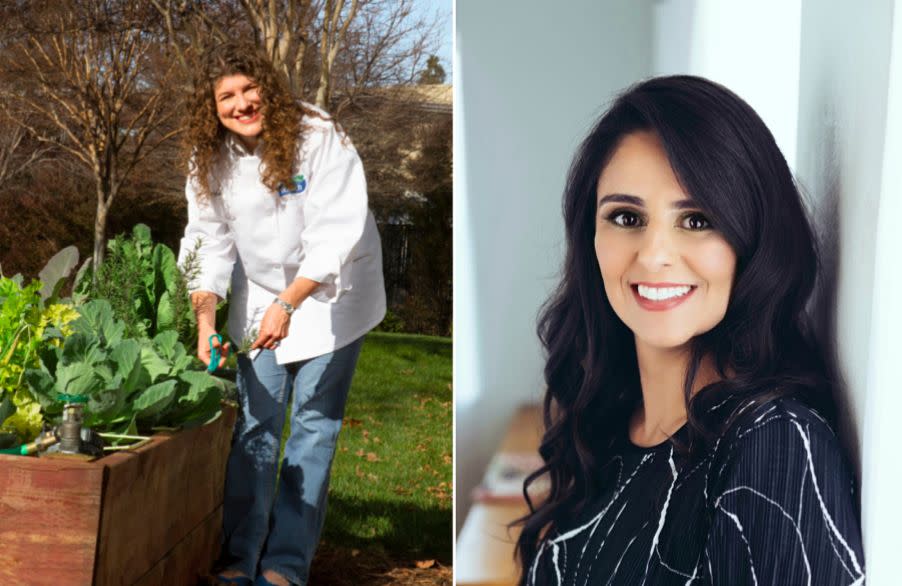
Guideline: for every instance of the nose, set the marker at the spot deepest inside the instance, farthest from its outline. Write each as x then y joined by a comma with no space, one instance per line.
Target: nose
241,102
657,248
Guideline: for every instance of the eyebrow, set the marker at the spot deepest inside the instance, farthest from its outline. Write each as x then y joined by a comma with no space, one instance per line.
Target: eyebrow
680,204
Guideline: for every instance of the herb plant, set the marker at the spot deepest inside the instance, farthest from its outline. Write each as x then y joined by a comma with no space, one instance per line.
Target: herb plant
145,287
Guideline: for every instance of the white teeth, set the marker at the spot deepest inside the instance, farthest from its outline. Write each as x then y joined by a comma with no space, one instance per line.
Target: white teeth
660,293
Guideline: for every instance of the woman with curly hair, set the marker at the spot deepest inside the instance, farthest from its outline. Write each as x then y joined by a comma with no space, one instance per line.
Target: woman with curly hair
688,411
277,210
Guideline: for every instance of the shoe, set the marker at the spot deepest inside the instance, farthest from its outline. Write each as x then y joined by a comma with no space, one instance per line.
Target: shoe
234,581
262,581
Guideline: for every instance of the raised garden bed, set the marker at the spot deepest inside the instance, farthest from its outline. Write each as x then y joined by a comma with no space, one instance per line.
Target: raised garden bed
146,516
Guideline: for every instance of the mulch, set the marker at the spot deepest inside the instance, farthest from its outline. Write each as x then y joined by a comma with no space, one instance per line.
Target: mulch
337,566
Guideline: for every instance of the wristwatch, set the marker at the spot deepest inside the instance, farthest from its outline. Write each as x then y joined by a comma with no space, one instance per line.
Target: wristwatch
289,308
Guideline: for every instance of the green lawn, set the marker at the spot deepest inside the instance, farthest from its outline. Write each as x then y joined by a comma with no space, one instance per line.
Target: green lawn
391,480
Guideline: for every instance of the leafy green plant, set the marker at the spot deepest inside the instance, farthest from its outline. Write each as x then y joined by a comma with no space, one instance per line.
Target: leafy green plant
130,383
144,285
248,341
26,325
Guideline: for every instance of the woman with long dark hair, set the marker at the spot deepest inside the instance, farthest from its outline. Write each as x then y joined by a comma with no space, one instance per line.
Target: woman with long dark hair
689,411
277,211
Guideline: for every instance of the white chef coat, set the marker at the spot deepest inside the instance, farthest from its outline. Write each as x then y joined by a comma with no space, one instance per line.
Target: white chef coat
262,241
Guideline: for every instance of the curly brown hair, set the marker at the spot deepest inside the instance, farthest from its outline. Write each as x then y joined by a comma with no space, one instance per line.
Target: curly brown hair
282,117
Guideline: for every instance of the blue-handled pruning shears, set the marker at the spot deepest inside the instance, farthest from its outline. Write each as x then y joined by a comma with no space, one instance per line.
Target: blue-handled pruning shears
214,353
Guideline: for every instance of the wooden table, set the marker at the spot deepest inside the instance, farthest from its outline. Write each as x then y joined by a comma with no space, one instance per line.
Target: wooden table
485,546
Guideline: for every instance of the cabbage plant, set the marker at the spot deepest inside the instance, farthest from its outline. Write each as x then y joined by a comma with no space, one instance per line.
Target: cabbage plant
129,383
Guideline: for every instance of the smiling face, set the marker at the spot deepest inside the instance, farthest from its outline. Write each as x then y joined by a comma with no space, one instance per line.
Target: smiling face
667,273
238,107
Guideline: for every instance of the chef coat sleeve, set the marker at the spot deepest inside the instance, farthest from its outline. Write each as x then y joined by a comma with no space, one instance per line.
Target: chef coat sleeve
216,254
334,215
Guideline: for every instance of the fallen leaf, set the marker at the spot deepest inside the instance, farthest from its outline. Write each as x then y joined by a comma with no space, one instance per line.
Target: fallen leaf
441,492
372,457
353,422
447,459
360,453
423,564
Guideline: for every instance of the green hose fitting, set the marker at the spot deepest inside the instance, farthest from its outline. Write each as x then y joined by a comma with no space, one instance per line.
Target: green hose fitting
17,451
67,398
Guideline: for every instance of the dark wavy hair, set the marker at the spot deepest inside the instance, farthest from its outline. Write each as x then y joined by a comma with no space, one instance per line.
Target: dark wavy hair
282,116
728,162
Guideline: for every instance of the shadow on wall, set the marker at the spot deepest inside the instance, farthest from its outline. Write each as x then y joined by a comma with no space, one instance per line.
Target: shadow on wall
824,301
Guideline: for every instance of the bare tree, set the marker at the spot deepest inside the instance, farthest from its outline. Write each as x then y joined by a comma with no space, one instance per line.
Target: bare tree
94,78
284,29
333,32
325,48
192,25
16,154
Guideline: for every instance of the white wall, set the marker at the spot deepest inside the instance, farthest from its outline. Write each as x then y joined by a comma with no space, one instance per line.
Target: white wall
750,47
849,154
531,78
882,510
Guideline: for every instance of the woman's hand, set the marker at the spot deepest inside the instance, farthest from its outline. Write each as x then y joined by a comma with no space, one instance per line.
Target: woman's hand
203,348
204,304
273,328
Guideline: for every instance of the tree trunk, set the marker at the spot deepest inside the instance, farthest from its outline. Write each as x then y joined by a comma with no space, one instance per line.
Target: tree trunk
297,80
99,230
322,94
107,186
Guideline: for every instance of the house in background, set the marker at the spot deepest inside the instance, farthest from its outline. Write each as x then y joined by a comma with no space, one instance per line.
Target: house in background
403,134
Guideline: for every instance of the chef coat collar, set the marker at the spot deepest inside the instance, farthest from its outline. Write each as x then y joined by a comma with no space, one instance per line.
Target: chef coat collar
237,149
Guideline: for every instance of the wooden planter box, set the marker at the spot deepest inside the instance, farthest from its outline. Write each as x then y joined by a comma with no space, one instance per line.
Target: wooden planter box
149,516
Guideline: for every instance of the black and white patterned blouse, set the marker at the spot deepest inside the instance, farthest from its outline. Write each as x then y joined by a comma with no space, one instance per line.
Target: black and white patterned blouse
772,503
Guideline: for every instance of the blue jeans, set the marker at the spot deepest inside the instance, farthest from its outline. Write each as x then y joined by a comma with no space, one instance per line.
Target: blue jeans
279,529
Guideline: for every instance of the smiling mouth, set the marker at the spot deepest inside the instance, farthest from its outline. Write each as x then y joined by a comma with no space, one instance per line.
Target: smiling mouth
661,297
248,118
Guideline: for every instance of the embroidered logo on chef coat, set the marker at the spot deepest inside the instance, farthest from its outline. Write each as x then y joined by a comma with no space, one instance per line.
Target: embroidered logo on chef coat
300,184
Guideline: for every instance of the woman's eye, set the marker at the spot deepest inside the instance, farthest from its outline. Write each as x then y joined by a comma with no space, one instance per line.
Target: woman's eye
696,222
625,219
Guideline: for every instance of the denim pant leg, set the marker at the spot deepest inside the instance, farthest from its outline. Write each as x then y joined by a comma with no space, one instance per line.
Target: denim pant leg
251,471
320,392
